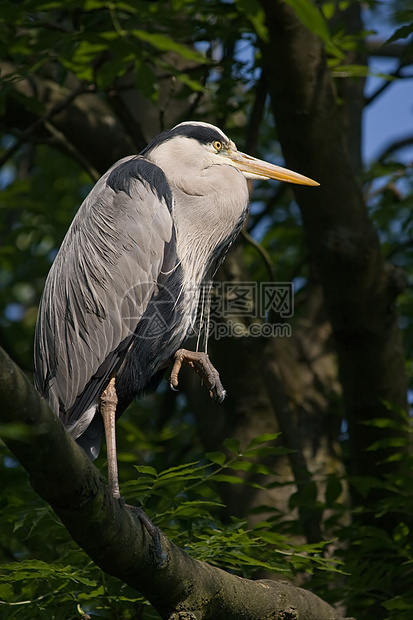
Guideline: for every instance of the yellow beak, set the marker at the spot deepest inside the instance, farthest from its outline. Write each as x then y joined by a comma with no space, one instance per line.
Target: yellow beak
253,168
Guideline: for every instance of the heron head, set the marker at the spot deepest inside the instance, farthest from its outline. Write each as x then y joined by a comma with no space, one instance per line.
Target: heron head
193,144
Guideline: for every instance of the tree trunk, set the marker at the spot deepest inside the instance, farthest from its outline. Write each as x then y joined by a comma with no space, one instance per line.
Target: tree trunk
359,287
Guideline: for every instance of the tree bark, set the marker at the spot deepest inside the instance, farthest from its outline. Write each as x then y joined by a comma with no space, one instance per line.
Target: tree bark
179,587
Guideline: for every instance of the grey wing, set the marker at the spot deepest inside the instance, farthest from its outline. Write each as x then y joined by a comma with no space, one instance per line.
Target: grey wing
100,284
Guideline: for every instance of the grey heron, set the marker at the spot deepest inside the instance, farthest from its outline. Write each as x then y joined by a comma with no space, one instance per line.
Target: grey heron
123,290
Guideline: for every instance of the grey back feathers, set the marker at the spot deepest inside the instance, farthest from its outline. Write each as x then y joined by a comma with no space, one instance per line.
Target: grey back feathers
98,287
153,227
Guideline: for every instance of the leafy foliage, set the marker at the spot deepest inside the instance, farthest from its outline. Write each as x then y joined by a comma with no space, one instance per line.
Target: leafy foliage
377,558
49,573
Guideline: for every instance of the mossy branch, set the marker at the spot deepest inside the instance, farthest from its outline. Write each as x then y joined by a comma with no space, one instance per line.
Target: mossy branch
113,536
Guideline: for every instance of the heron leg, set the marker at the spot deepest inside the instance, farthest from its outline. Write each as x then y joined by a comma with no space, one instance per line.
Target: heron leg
202,365
108,403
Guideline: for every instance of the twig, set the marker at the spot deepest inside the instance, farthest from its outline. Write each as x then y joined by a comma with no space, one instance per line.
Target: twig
271,203
73,151
263,252
387,83
395,146
256,114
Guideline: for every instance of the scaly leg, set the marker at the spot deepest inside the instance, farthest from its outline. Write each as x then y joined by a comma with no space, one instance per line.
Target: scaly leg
108,403
201,364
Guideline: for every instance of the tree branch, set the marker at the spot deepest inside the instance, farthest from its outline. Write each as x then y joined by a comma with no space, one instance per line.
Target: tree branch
55,109
378,47
112,535
387,83
83,118
395,146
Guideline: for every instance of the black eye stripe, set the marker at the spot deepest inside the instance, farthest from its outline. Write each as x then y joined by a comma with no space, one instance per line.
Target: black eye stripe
204,135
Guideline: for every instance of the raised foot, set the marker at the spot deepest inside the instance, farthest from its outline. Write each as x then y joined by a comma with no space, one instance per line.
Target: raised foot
201,363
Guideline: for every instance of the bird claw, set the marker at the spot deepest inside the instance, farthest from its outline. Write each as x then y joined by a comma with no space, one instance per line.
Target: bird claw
202,365
153,531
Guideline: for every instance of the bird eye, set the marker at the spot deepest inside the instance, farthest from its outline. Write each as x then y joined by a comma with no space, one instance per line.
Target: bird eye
217,145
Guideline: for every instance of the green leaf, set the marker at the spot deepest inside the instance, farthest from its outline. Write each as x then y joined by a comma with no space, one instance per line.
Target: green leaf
227,478
264,451
401,532
264,438
145,79
388,442
6,592
346,71
329,9
364,484
146,469
311,17
216,457
232,445
242,558
164,43
36,569
400,603
242,465
254,12
401,33
195,508
192,84
388,423
187,470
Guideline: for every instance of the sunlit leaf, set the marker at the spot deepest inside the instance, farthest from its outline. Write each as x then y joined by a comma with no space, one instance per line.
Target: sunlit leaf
311,17
264,438
164,43
146,469
256,15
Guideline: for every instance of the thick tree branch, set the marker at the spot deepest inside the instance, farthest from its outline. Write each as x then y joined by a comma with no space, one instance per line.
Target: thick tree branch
378,47
83,118
113,536
52,111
